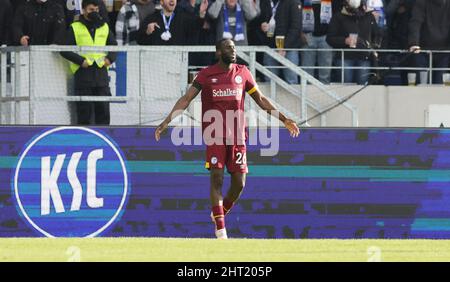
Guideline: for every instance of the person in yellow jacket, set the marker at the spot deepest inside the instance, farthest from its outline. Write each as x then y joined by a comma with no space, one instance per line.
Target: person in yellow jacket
91,68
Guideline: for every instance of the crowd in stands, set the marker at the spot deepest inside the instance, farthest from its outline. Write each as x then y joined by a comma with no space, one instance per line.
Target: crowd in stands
311,25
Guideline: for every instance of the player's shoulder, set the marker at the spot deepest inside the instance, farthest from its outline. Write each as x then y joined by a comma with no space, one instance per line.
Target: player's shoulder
203,73
242,70
207,70
240,67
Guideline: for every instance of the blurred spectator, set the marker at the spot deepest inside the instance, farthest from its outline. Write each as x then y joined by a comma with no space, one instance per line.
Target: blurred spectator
113,8
171,25
398,14
17,3
231,18
254,34
38,22
429,28
72,10
129,18
5,21
282,18
205,35
377,7
353,27
90,70
256,37
317,15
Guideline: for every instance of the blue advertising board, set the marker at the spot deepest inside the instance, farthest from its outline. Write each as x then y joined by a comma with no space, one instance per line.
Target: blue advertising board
328,183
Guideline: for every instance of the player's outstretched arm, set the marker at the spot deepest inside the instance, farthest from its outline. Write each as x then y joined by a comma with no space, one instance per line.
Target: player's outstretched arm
178,108
267,106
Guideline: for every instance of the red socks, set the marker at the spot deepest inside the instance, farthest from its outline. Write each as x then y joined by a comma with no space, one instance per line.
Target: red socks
219,217
227,205
219,213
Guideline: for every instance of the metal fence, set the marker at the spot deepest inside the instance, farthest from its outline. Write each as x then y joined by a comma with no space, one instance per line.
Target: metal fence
383,65
28,75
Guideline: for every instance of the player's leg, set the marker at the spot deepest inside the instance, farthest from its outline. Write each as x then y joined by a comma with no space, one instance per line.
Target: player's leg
216,182
218,214
215,156
237,167
235,191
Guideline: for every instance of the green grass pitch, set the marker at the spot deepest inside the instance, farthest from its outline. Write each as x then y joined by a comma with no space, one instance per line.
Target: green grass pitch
241,250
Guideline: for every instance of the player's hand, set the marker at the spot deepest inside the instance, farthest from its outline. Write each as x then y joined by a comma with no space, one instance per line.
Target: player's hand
160,129
292,127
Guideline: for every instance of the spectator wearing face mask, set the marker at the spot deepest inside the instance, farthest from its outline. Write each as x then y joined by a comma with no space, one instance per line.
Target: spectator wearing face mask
429,28
129,18
352,28
72,10
38,22
91,69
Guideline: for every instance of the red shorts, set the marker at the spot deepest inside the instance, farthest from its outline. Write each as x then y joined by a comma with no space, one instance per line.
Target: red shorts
234,157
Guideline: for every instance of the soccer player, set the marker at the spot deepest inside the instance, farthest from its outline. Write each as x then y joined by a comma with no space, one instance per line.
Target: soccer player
223,88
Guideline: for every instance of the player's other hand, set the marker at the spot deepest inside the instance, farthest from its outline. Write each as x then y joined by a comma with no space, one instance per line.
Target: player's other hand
292,127
160,129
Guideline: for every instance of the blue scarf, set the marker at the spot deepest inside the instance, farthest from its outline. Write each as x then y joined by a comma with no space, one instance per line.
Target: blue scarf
308,14
239,27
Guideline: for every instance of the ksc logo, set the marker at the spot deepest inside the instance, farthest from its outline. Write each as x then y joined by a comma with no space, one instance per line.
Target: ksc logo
71,182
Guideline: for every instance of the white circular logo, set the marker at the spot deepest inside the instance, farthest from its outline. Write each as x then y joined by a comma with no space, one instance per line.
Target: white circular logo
214,160
238,79
71,182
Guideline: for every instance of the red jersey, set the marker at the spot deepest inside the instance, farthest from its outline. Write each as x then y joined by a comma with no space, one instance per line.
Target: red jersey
223,92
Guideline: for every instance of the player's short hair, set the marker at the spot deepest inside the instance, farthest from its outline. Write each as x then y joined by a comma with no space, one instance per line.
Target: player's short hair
220,43
85,3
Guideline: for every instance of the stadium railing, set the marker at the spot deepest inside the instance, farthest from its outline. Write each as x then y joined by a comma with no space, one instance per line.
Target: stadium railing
34,78
389,60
